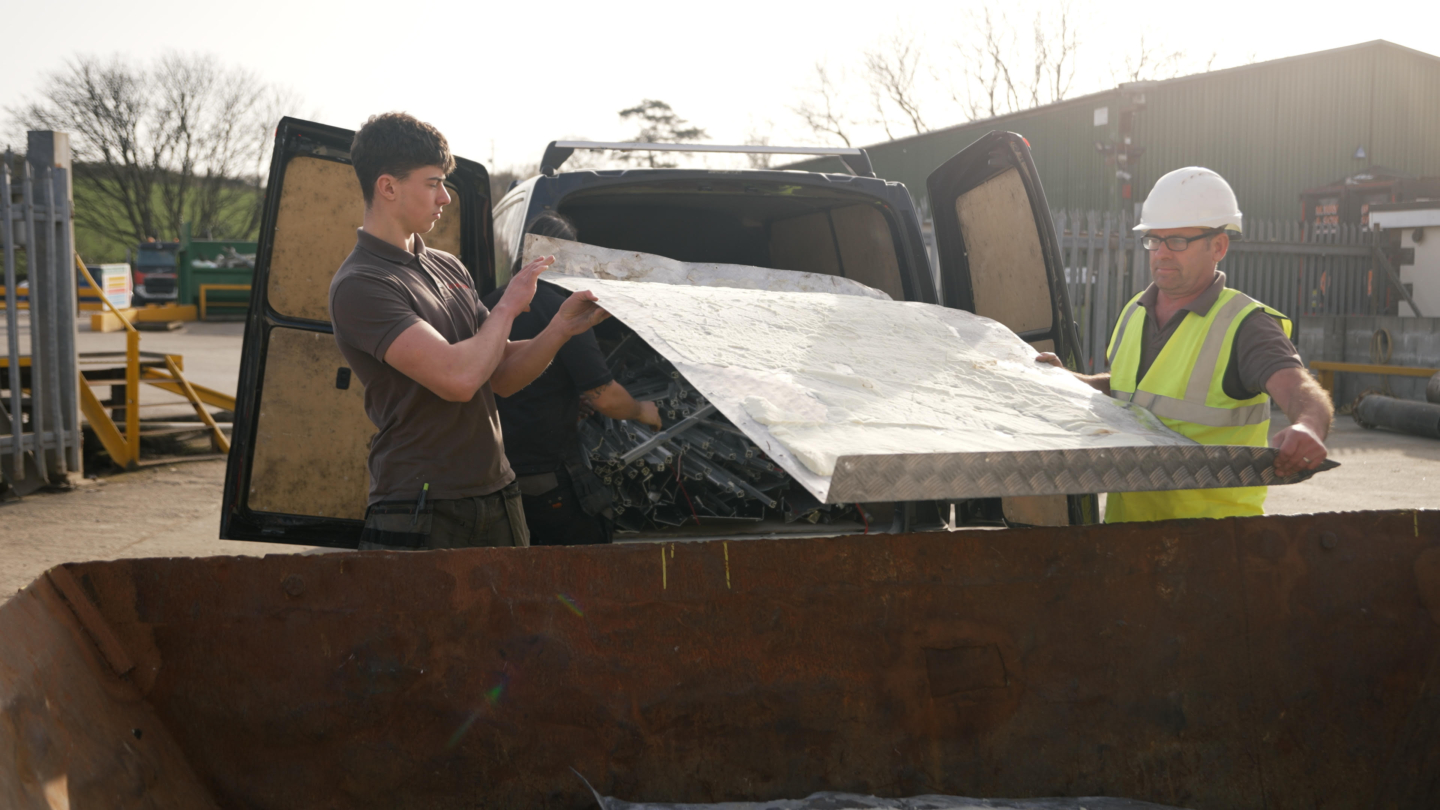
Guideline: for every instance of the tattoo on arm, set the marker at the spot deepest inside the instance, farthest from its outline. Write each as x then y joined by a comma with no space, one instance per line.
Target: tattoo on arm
595,393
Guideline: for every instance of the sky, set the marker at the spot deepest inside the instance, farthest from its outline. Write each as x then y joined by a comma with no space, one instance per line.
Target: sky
503,79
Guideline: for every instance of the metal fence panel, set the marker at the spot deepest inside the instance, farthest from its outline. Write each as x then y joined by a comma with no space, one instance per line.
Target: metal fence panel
40,436
12,417
1297,269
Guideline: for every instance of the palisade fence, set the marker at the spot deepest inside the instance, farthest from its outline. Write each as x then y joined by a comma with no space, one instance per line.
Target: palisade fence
1297,268
39,413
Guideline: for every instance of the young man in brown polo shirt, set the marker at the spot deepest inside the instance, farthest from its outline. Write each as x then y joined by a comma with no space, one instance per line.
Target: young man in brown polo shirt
431,356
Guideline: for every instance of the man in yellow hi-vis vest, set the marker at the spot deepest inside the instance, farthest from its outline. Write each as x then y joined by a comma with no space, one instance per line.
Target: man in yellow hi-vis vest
1204,358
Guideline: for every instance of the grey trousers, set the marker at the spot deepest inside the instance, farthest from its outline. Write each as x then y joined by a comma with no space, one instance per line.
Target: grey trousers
497,519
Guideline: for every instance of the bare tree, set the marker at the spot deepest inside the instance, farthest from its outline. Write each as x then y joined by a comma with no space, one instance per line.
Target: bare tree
1057,43
1151,62
999,66
105,104
890,71
997,82
212,112
502,180
156,146
996,79
275,103
760,136
822,112
659,124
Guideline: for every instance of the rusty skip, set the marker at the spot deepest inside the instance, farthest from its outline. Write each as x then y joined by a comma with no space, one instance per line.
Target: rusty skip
1276,662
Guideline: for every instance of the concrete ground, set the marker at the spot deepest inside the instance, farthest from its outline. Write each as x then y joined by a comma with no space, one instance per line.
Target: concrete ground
1379,469
211,352
169,511
174,510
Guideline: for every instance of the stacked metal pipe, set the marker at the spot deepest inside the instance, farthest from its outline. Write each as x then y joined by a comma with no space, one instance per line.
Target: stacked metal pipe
699,468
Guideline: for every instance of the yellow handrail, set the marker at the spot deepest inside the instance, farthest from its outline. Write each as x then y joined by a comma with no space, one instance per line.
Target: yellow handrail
125,450
216,436
205,289
132,376
162,380
1325,370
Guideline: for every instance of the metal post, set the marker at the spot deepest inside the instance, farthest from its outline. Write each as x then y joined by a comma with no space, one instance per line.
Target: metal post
12,324
132,395
1141,276
1394,278
1092,220
1101,313
50,268
69,366
37,388
1077,286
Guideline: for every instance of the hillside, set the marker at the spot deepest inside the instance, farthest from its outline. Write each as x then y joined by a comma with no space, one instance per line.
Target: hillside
95,246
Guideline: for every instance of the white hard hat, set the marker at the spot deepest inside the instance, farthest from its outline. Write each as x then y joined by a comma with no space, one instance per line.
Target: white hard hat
1192,197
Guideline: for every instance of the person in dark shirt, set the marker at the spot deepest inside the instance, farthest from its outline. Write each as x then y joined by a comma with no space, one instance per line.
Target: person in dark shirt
564,503
409,322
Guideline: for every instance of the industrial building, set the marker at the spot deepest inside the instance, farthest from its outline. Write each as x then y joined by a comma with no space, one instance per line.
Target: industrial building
1274,129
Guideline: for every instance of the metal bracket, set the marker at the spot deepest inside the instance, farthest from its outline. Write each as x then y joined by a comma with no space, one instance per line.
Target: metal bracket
91,619
1384,262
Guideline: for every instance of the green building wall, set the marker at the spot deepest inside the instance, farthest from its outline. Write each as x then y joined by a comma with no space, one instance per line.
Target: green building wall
1273,129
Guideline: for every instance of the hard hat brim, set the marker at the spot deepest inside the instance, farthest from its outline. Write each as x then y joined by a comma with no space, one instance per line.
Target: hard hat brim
1229,223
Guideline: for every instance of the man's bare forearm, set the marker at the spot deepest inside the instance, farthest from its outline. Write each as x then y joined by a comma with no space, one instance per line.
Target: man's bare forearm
612,400
452,371
1309,405
1100,382
1301,446
526,360
482,353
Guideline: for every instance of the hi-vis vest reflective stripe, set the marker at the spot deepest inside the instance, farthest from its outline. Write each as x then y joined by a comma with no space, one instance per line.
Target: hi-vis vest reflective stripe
1185,388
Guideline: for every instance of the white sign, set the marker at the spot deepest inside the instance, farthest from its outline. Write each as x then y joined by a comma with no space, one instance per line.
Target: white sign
1102,116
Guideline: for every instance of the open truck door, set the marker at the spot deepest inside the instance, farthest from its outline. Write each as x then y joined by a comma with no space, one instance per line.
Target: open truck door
1000,258
297,467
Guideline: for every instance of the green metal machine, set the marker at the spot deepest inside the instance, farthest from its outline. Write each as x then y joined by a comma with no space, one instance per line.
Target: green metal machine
215,275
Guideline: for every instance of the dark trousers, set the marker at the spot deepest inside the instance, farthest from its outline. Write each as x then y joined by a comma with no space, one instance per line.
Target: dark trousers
555,518
488,520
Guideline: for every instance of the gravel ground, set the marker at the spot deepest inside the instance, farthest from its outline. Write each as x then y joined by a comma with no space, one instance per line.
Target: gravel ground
171,511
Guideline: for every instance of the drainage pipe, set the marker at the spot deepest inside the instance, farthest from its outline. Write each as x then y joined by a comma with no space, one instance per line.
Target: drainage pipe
1408,416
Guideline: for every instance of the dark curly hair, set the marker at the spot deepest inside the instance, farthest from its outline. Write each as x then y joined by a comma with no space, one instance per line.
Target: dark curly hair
554,223
396,143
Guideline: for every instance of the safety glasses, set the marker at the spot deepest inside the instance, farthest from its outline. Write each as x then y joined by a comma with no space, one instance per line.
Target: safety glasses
1176,243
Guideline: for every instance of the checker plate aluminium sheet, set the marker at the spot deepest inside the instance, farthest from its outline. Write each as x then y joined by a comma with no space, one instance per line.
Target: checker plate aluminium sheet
940,476
862,398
